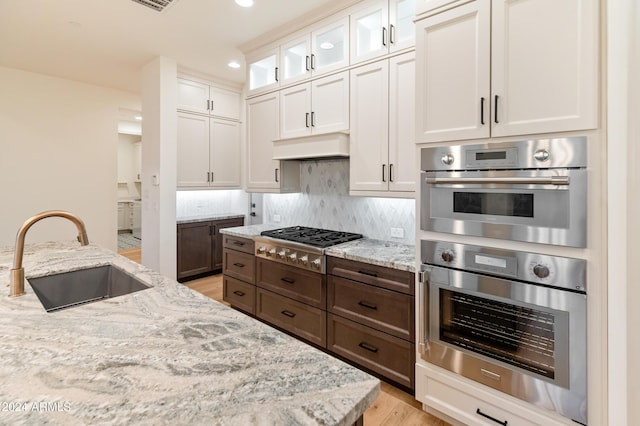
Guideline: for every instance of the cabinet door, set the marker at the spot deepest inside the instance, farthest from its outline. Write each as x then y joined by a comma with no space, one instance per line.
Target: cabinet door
452,85
402,30
262,130
330,103
122,218
192,150
263,71
369,31
554,86
218,239
330,47
402,149
295,57
369,131
295,111
195,249
137,161
193,96
224,152
224,103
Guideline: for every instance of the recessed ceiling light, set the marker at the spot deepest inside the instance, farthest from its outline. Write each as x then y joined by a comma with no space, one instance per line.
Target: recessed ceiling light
326,45
244,3
233,64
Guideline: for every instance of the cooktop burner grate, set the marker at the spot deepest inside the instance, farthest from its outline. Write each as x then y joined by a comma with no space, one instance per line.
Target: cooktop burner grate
311,236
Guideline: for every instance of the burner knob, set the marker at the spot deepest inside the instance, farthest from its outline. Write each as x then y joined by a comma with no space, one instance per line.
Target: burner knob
293,257
304,260
271,252
541,271
447,256
317,263
262,250
282,254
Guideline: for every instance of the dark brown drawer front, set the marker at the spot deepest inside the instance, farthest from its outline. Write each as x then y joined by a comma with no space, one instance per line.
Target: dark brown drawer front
382,309
239,265
239,294
239,244
295,283
387,355
304,321
380,276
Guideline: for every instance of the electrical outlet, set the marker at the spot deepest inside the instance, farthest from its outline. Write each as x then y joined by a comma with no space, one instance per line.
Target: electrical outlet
397,233
276,218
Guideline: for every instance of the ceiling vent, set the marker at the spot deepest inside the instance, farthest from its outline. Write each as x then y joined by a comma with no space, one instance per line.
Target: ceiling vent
157,5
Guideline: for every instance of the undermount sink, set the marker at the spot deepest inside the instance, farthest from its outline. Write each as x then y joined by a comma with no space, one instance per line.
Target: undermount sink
68,289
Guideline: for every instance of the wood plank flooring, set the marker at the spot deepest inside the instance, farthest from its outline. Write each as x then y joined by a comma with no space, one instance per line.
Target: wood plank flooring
393,407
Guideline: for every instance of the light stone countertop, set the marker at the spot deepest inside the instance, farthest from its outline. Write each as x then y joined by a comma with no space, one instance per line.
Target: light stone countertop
206,216
377,252
250,231
165,355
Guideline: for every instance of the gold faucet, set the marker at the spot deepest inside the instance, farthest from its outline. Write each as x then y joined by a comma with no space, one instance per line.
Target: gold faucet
16,283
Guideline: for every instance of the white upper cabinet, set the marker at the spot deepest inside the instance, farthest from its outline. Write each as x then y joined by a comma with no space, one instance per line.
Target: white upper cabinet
203,98
381,26
320,106
503,68
264,70
323,50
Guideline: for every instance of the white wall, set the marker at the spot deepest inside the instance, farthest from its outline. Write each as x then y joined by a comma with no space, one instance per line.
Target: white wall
58,149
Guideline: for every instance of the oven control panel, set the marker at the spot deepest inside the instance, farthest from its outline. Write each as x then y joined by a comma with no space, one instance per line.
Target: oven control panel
291,254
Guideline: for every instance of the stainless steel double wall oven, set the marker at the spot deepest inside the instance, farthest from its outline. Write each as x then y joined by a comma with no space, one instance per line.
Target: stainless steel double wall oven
511,320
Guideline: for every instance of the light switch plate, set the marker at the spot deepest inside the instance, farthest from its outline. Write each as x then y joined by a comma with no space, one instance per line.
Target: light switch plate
276,218
397,233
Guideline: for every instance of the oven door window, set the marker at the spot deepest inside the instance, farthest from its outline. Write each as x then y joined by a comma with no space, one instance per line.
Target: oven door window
494,203
525,337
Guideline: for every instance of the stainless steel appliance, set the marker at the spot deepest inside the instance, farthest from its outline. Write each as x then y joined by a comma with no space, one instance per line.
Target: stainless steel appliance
510,320
532,190
300,246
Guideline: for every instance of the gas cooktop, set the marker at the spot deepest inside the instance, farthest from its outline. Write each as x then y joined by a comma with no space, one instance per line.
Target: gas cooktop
312,236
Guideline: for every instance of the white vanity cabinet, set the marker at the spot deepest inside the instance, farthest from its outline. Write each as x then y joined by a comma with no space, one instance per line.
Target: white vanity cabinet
475,81
379,27
320,106
320,49
203,98
382,151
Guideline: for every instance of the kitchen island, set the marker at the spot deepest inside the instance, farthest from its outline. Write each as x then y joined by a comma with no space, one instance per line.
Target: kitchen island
164,355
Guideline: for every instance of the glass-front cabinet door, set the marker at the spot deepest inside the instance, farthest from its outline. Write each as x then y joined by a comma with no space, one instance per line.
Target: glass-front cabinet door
263,70
369,27
402,33
296,59
330,47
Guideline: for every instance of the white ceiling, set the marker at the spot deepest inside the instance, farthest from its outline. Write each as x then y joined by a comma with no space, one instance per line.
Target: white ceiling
107,42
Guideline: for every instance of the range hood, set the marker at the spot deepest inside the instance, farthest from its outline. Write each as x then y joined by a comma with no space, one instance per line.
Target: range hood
329,145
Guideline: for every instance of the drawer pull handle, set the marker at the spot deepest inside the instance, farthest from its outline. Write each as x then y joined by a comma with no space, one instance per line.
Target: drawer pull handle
238,243
367,305
371,274
288,314
288,280
370,348
491,418
239,265
239,293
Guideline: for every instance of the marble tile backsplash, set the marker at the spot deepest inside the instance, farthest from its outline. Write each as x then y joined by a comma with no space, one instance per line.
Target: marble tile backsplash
193,203
325,203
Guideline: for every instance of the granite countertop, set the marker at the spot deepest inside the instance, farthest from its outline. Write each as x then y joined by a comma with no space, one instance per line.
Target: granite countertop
377,252
202,217
165,355
250,231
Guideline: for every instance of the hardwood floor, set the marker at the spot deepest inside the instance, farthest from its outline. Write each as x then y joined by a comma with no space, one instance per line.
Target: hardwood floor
393,407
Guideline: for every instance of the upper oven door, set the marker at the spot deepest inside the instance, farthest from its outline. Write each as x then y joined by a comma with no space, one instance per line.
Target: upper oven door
539,206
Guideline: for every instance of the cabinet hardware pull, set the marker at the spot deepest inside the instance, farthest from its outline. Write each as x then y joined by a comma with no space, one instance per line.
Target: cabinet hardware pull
306,119
239,293
384,36
238,243
371,274
288,280
276,73
482,111
210,229
211,104
367,305
308,63
383,177
276,172
239,265
496,109
367,347
208,105
313,119
288,314
551,180
313,61
392,34
212,178
504,423
390,172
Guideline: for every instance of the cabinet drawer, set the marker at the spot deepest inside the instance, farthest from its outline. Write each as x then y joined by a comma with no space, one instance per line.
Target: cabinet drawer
380,276
295,283
387,355
239,294
302,320
382,309
236,243
239,265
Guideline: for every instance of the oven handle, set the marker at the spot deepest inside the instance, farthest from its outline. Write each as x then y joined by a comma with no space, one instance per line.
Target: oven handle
423,336
552,180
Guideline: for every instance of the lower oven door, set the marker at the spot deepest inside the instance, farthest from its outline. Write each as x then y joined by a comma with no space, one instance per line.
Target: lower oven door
523,339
